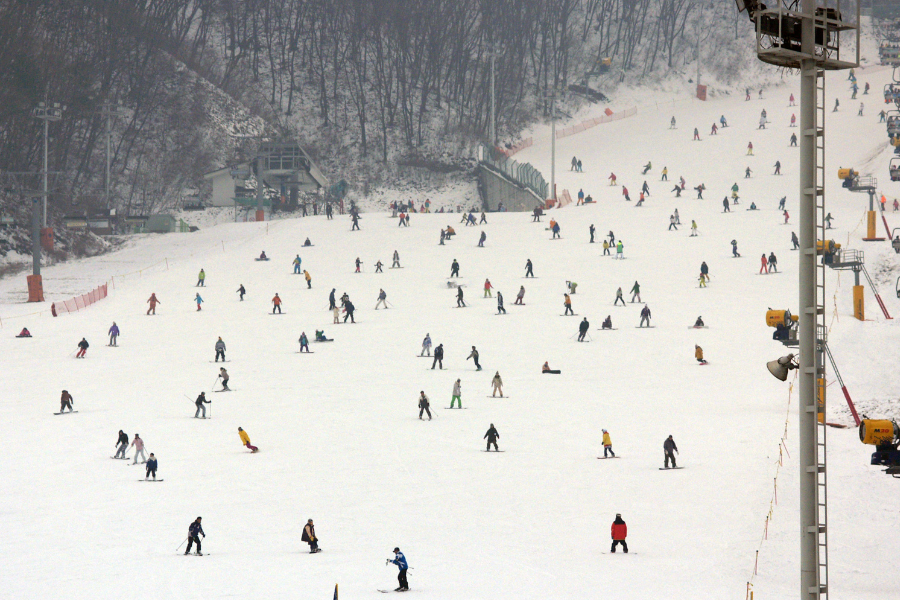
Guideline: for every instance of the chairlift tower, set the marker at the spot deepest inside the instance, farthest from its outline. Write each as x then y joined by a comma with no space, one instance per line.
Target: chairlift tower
807,35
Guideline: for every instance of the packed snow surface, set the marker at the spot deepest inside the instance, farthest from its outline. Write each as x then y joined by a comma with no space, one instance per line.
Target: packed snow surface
338,430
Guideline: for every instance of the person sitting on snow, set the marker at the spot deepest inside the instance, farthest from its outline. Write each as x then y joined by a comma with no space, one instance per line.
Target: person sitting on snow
24,333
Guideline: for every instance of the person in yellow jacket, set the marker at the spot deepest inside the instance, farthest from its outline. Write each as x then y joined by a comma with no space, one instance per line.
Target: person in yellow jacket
308,279
698,354
665,174
246,440
607,445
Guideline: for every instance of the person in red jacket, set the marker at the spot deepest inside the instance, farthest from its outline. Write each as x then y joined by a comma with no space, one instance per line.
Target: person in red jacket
619,532
764,268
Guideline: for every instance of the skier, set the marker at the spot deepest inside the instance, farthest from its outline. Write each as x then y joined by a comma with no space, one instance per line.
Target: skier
699,189
726,205
795,241
696,135
309,536
304,342
308,278
138,444
426,345
122,443
241,291
220,349
396,263
457,394
777,167
619,531
583,329
645,316
200,401
497,385
773,262
698,354
194,533
620,247
669,447
529,272
828,219
520,296
245,440
492,437
645,189
591,230
693,228
747,173
665,174
474,355
113,334
487,288
734,249
424,405
483,219
83,345
619,297
438,357
568,304
201,279
382,299
151,467
782,202
750,149
65,401
358,264
331,302
704,269
793,139
276,304
401,563
762,123
223,375
605,248
786,217
349,309
198,300
296,263
702,280
672,123
647,167
500,308
607,445
635,292
482,239
454,269
460,303
607,322
555,228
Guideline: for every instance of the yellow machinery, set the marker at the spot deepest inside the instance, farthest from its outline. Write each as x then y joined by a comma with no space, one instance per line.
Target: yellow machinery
853,182
885,436
785,325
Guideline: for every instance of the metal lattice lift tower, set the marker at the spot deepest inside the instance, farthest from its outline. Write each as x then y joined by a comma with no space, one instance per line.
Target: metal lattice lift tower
808,38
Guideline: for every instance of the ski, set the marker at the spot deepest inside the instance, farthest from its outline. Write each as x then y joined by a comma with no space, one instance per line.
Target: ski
119,457
228,390
454,408
495,397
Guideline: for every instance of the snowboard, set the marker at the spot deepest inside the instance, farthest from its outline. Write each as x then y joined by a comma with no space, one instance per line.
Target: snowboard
110,345
310,352
261,259
151,480
321,341
698,327
389,591
278,313
606,457
493,450
23,336
572,315
68,412
495,397
454,408
669,468
607,328
647,327
500,314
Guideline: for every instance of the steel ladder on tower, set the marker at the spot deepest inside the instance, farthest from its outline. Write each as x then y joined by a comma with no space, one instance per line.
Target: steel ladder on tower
821,337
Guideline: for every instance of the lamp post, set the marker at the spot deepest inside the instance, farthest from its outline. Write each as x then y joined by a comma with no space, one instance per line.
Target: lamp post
109,110
47,113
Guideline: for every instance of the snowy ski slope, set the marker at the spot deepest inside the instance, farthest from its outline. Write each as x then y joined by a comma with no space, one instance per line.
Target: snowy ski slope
339,437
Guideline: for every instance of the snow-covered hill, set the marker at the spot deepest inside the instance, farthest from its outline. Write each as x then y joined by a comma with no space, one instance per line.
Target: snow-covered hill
339,437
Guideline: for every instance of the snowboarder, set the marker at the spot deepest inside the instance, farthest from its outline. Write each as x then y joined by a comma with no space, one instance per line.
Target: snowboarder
793,139
500,308
619,297
401,563
483,219
529,272
308,278
492,437
296,263
734,249
138,444
828,219
607,445
382,299
482,239
194,533
358,264
625,193
672,223
591,230
635,292
474,355
331,302
782,202
583,329
83,346
454,269
714,130
555,228
262,255
426,345
612,179
304,342
665,174
113,334
396,263
693,228
520,296
199,402
786,217
791,101
546,370
704,268
438,357
457,394
605,248
65,401
645,189
764,264
607,322
309,536
698,354
672,123
747,173
198,300
574,164
122,443
355,218
773,262
245,440
699,189
702,280
497,385
699,322
669,447
349,309
241,291
726,206
151,467
619,531
795,241
620,247
27,334
487,288
677,190
647,167
777,167
696,135
645,316
276,304
424,405
567,302
750,149
220,349
460,303
201,279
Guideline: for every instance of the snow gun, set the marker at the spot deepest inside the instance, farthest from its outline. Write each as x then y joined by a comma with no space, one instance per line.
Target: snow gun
785,325
885,436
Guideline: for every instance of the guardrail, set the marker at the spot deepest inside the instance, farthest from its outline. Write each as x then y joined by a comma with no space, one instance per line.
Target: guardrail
79,302
521,173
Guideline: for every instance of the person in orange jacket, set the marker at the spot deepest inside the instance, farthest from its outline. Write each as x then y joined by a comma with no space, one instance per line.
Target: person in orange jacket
698,354
764,268
153,302
619,531
276,304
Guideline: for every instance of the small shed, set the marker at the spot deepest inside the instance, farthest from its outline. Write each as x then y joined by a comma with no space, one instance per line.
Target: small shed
161,224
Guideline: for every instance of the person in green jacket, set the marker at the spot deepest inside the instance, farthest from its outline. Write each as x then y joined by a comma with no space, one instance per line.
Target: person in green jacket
619,248
636,292
201,279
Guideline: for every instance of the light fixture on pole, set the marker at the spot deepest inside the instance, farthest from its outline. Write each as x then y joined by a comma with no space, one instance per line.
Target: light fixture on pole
110,111
47,113
781,367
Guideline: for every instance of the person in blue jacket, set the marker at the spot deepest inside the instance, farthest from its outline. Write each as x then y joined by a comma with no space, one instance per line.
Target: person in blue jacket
400,561
296,264
194,533
199,301
151,470
556,230
113,334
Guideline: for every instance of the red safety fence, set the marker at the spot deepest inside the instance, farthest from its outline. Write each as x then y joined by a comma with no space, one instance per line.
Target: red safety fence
507,152
606,118
79,302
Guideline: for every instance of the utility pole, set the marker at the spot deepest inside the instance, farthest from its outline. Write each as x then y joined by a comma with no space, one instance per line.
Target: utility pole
493,103
46,114
553,145
109,110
